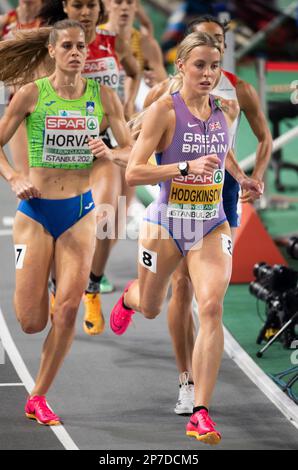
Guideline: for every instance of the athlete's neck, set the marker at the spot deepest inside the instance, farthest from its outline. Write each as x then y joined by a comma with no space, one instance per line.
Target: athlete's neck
68,86
198,104
123,31
90,35
27,12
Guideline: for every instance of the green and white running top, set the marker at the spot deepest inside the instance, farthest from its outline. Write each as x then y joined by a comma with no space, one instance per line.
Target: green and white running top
59,129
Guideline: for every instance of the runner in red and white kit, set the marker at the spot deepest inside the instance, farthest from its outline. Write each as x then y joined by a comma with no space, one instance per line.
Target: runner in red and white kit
23,17
244,97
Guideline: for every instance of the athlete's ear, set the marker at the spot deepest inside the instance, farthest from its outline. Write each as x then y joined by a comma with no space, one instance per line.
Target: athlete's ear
51,51
64,4
180,65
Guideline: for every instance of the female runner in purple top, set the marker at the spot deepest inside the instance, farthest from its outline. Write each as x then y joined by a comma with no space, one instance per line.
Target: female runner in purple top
189,130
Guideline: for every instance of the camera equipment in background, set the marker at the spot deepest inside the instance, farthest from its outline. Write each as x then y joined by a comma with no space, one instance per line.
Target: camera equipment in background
277,287
292,247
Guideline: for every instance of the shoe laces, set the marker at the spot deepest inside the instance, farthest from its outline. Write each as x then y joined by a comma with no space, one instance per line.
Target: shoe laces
41,405
185,386
205,419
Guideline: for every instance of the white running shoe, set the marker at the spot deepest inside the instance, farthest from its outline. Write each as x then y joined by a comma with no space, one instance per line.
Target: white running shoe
186,398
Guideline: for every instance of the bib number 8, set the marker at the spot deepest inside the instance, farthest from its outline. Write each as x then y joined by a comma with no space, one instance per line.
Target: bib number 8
148,259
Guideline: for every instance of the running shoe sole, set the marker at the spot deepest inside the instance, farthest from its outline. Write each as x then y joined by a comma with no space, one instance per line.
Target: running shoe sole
49,423
183,412
211,438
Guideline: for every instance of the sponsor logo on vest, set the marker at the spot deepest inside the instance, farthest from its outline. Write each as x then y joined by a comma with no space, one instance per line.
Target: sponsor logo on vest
66,123
196,196
92,124
50,103
66,139
104,70
100,65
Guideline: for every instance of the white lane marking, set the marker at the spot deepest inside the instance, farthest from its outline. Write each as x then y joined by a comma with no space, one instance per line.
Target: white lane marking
7,221
287,406
12,385
4,233
27,380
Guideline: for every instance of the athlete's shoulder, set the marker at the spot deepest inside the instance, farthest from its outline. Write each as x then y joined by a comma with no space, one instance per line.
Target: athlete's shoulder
25,99
106,90
29,88
108,97
229,107
164,103
156,92
233,79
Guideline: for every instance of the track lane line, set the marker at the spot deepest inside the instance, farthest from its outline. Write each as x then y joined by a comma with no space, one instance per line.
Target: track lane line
13,385
27,380
285,405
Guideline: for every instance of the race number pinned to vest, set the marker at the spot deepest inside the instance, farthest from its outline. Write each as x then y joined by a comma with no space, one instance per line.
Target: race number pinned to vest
66,139
20,251
226,243
195,196
104,70
148,259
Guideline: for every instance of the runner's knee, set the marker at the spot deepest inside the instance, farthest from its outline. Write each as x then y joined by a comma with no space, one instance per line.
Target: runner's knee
181,288
30,324
210,310
65,315
148,312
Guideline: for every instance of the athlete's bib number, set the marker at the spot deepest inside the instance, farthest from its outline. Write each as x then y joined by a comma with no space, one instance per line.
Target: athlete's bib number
66,139
20,251
105,70
148,259
196,197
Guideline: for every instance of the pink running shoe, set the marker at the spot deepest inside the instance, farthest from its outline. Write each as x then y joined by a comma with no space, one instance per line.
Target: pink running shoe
37,408
202,428
121,317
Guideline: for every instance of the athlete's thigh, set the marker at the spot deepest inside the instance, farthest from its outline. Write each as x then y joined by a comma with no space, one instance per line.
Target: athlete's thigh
158,259
181,272
210,265
34,249
73,256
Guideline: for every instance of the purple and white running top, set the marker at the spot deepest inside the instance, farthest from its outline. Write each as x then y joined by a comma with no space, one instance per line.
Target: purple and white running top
190,207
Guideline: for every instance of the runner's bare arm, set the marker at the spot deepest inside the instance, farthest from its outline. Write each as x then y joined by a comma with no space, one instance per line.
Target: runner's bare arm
252,185
126,57
158,121
22,104
250,104
144,19
115,119
153,57
131,67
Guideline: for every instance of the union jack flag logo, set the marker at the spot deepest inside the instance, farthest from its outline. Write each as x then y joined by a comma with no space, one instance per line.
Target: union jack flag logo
213,126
